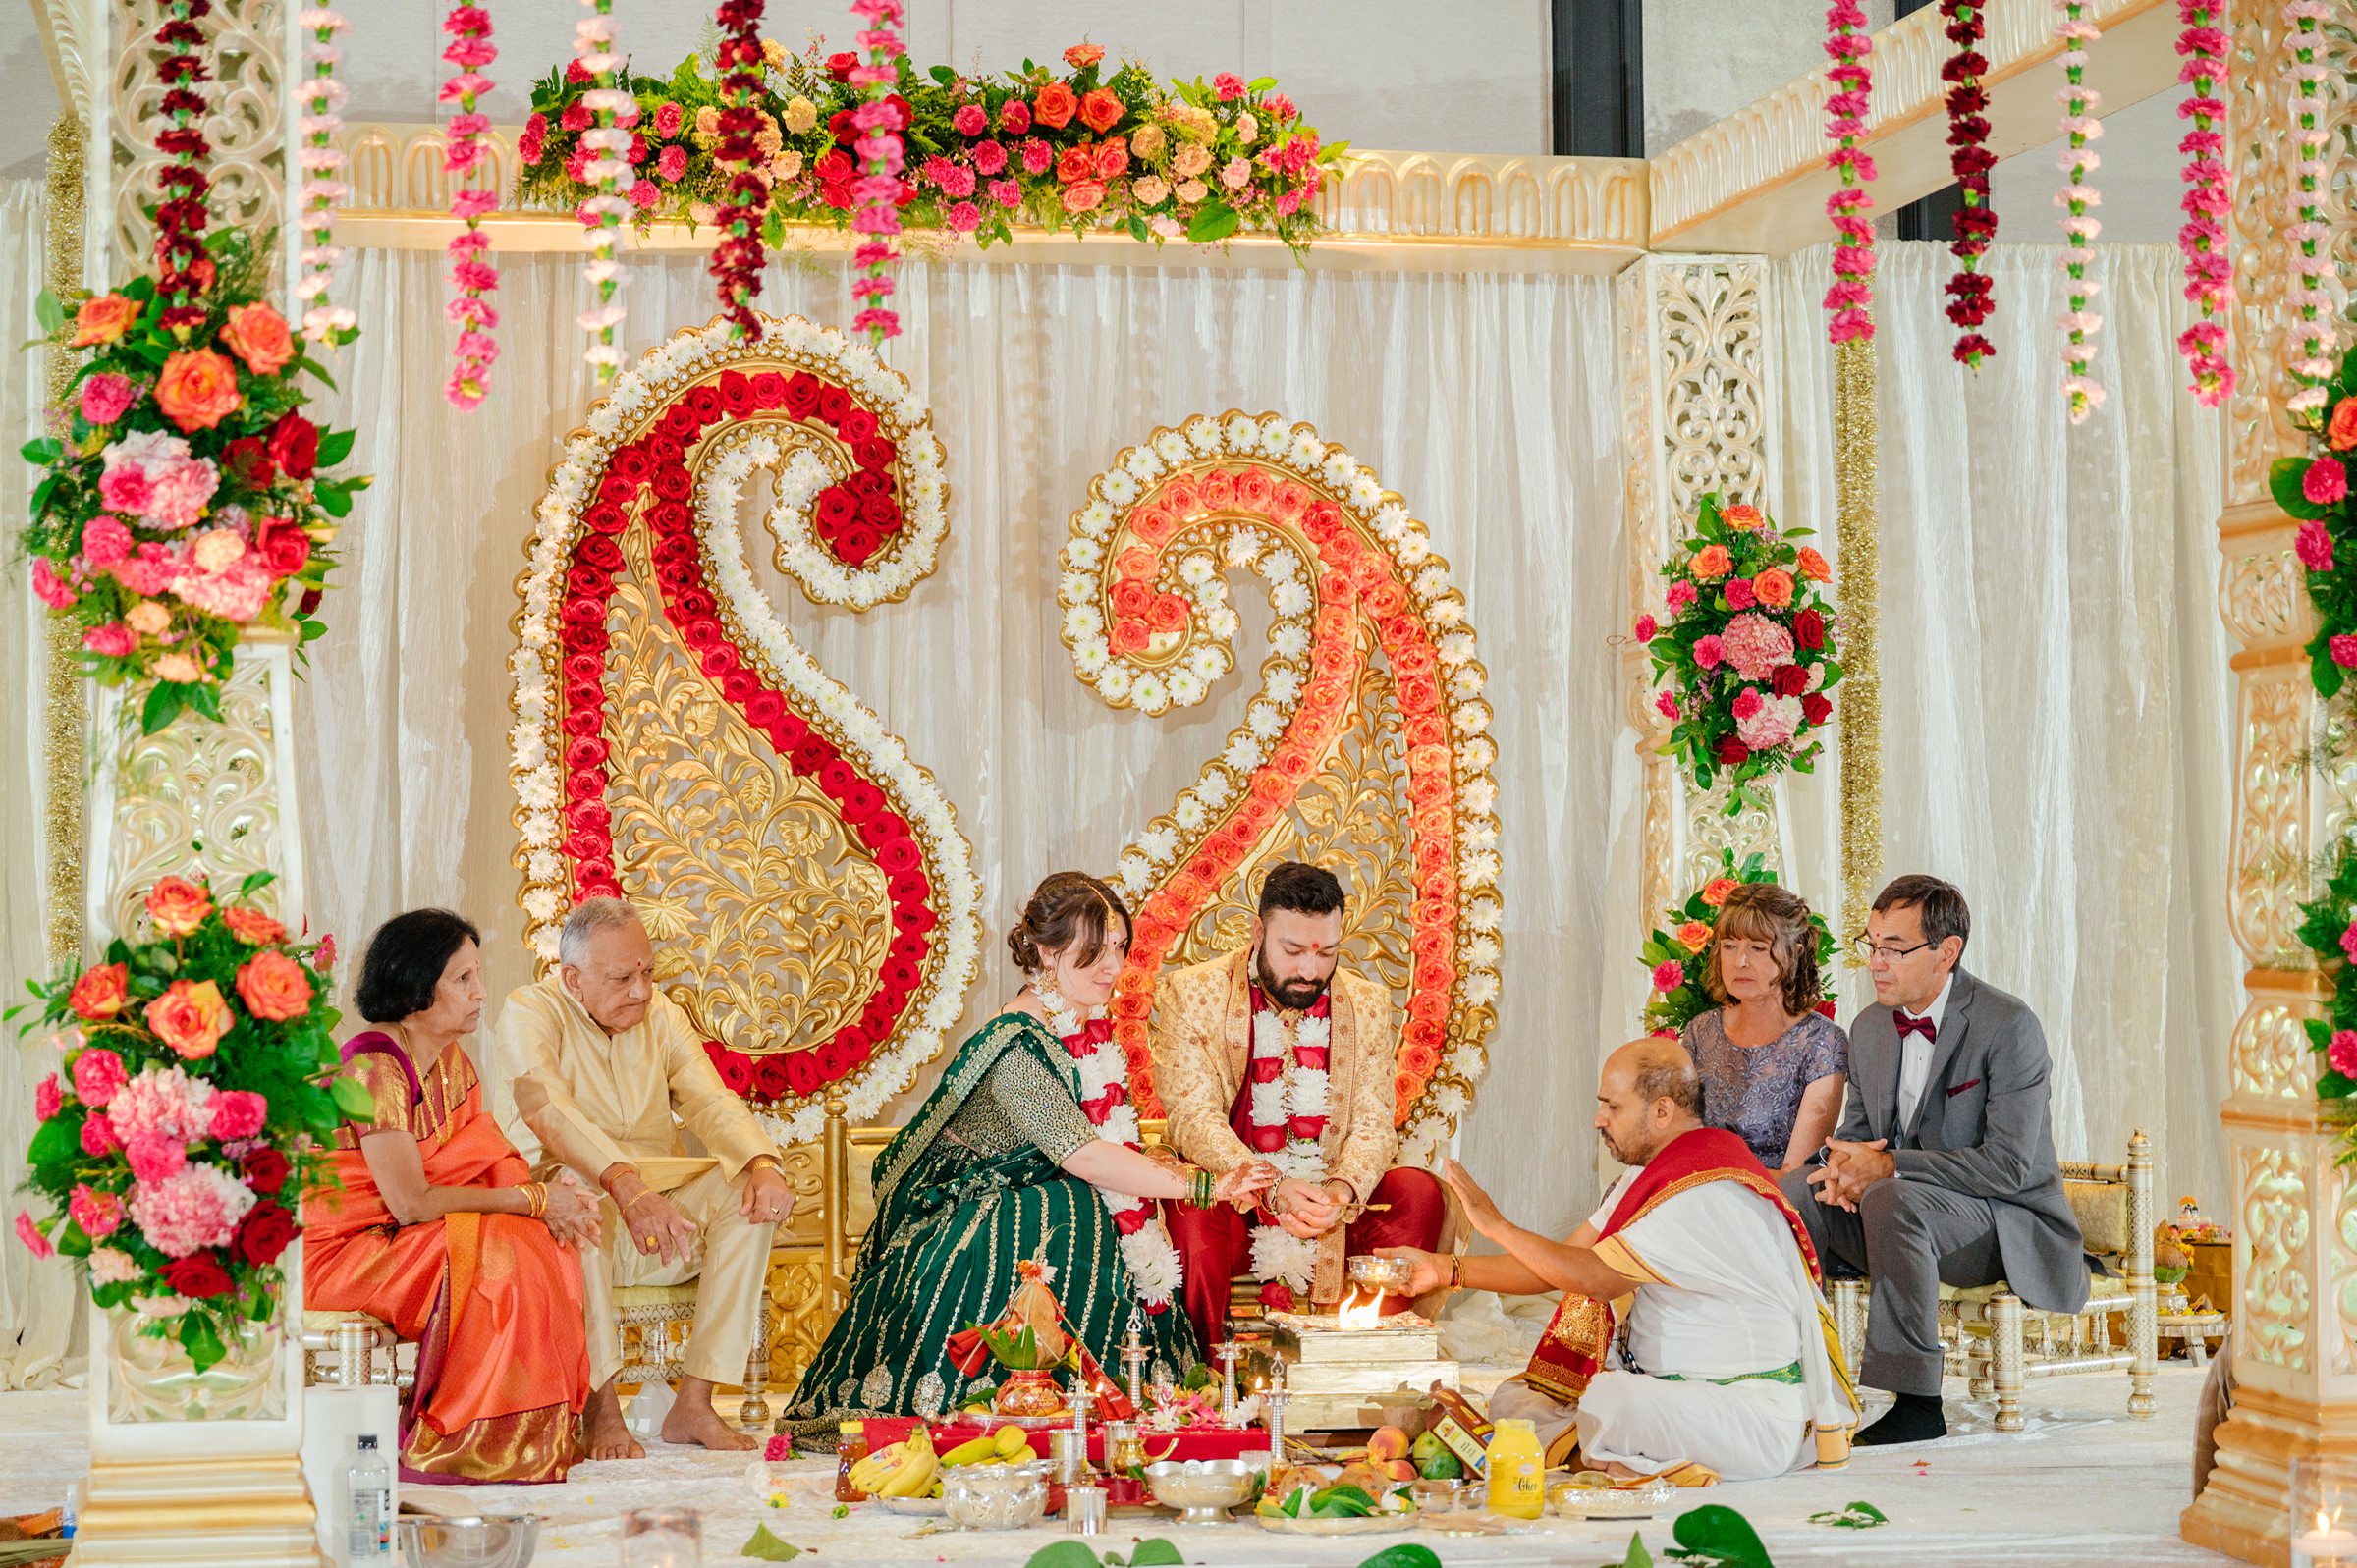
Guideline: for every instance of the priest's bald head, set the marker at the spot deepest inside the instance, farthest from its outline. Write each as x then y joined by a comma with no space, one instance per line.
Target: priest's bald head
1649,1095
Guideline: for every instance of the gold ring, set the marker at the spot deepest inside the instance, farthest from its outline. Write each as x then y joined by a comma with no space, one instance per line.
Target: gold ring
647,1241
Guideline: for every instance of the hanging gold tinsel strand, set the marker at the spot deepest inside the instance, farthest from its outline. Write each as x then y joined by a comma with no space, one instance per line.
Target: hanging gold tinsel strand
65,716
1857,538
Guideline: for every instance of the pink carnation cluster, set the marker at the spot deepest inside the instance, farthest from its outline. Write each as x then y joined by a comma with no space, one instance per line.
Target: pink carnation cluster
199,1206
1755,646
98,1076
151,476
2209,270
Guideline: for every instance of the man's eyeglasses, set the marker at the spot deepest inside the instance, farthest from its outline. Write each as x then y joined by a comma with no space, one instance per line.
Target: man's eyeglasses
1867,951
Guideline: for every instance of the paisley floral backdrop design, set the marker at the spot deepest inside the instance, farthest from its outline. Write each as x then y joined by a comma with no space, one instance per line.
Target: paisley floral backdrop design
811,898
1366,748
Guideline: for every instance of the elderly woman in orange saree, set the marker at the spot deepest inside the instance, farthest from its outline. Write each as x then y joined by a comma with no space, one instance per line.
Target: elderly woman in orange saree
439,1231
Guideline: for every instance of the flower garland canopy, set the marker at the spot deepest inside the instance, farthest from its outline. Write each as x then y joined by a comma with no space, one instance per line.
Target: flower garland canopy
1748,652
1850,300
1090,149
195,1083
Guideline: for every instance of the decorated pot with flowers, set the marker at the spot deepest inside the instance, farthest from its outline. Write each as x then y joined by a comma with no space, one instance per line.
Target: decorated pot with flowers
186,500
1746,655
194,1082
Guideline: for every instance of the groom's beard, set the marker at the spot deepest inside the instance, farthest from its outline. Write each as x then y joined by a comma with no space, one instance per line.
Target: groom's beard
1299,996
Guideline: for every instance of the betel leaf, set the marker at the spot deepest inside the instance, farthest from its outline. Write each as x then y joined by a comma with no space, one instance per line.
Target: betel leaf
1714,1535
2283,479
766,1547
1638,1556
1062,1554
1155,1553
1857,1516
1405,1555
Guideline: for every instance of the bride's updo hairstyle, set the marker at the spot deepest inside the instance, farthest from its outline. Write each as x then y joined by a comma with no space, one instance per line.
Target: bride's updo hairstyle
1069,906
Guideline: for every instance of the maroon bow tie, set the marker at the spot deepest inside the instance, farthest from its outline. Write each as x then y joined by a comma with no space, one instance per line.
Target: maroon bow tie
1915,1026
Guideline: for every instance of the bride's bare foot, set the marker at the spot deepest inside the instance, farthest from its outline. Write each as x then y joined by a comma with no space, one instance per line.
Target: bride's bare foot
694,1419
603,1431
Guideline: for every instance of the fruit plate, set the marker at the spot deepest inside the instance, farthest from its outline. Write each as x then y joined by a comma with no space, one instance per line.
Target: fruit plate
913,1507
1371,1525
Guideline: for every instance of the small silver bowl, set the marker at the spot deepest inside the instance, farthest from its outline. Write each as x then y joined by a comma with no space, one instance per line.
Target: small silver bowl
995,1497
1388,1275
1202,1489
469,1541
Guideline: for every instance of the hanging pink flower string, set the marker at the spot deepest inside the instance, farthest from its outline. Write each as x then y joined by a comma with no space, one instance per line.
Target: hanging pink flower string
1850,300
2311,264
465,151
605,168
321,96
2080,389
879,187
2209,270
736,259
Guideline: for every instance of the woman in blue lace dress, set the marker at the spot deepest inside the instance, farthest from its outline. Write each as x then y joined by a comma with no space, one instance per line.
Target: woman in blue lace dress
1773,1067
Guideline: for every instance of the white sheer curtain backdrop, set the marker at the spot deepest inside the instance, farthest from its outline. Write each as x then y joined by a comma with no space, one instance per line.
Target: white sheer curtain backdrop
2056,707
1488,401
39,1305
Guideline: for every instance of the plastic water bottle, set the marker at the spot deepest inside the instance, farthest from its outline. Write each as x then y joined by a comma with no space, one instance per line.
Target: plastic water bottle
72,1512
369,1504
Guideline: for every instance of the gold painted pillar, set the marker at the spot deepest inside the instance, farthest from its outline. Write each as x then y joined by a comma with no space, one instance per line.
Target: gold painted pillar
1695,414
2295,1209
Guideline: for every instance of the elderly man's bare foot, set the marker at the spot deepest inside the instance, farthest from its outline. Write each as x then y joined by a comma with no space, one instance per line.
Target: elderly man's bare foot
694,1419
602,1429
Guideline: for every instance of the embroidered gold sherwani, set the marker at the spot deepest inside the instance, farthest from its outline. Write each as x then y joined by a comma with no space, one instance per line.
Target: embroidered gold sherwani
1201,1031
589,1100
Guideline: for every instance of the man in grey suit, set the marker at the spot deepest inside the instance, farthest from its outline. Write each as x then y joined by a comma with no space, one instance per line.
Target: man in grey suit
1943,1169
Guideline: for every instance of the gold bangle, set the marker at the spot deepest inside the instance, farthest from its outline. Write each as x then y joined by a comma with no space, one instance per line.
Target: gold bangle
536,1200
645,1194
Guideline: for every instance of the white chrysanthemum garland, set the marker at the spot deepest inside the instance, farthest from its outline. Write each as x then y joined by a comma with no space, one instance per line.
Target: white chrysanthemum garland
638,398
321,97
802,473
601,215
1154,1267
1296,1100
1454,1019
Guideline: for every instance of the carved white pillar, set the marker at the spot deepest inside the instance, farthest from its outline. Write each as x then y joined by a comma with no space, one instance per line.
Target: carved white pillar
2295,1206
1695,410
198,797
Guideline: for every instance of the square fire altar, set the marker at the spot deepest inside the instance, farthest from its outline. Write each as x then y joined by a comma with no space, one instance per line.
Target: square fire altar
1343,1368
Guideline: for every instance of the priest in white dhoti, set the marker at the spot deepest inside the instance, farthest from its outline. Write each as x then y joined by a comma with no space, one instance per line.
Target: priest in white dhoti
603,1073
1725,1366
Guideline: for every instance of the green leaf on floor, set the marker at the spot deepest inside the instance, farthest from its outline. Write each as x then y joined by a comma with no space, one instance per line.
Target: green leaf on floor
1403,1556
1062,1554
1714,1535
766,1547
1857,1516
1154,1552
1638,1556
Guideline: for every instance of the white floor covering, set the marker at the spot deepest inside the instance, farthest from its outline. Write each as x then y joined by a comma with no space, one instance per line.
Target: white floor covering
2084,1487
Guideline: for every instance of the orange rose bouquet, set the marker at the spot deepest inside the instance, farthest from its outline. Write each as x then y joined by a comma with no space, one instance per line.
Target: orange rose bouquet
1678,953
1746,655
195,1081
186,497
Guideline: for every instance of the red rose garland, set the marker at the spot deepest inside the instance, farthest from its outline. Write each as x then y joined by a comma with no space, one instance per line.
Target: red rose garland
655,466
470,275
1971,302
2209,271
1850,300
2080,389
183,268
607,145
880,187
736,258
2309,265
321,96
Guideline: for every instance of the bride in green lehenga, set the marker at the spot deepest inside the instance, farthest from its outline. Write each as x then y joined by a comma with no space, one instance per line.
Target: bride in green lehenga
1024,1151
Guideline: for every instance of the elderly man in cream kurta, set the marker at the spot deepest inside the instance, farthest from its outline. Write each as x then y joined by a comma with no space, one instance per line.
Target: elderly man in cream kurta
604,1071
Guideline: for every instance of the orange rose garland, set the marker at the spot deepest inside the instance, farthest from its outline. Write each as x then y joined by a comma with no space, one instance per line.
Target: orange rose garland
1350,577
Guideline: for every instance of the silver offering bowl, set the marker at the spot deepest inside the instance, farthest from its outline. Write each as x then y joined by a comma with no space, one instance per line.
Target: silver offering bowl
1387,1276
995,1497
470,1541
1202,1489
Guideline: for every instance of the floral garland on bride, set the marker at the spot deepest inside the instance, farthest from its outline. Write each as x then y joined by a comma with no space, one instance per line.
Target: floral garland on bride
1104,1073
1289,1109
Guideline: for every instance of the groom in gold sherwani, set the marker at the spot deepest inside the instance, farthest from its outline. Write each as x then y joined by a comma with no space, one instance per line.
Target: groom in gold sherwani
1277,1053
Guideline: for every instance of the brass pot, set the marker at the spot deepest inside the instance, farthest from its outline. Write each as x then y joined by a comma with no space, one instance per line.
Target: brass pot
1027,1394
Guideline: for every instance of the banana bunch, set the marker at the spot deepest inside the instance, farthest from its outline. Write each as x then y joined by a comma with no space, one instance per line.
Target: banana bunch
1006,1446
903,1469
